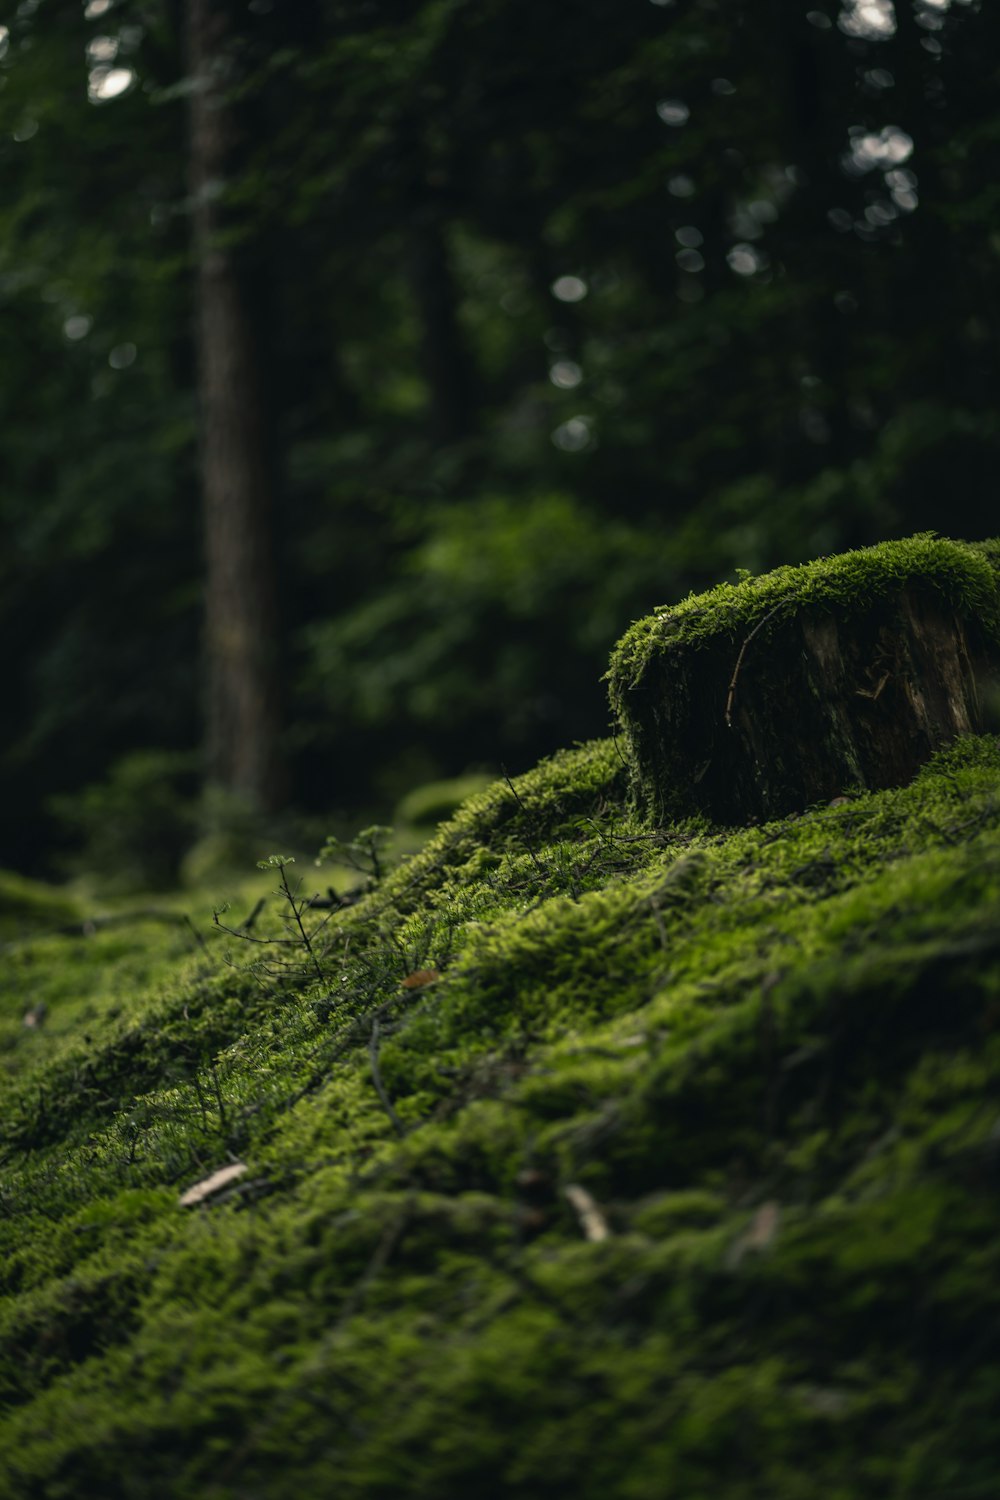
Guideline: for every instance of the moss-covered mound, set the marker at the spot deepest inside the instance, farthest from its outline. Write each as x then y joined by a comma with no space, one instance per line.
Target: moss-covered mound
582,1158
759,698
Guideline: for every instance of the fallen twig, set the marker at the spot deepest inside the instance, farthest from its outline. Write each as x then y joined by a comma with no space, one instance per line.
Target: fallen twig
592,1221
87,926
527,842
739,660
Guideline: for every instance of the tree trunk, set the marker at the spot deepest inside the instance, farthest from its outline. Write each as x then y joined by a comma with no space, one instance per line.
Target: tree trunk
241,678
753,703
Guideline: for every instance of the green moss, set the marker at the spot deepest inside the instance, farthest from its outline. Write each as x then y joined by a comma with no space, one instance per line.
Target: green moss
965,574
437,800
28,906
769,1055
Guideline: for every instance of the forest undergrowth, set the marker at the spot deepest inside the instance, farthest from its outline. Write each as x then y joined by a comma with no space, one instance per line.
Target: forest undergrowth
575,1156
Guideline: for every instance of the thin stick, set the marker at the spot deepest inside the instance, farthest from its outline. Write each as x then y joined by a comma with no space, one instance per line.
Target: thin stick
248,937
739,660
89,925
297,913
251,919
195,933
527,843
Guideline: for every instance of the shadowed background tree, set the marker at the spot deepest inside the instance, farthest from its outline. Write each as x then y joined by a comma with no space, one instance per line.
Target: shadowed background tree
242,695
556,315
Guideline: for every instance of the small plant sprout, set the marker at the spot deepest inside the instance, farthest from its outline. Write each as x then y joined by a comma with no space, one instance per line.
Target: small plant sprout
297,934
365,852
280,862
276,862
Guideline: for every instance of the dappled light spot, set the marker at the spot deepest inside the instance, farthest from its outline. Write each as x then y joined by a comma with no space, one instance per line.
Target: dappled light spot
77,326
25,130
819,19
107,83
689,236
4,40
680,186
102,49
573,436
97,8
690,260
763,210
870,149
723,87
870,20
744,260
879,78
903,186
121,356
565,374
673,112
880,213
569,288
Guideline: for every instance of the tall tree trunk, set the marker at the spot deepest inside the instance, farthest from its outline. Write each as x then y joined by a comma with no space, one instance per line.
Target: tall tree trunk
243,704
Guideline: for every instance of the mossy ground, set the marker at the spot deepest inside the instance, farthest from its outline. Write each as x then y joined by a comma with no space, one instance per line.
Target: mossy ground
769,1055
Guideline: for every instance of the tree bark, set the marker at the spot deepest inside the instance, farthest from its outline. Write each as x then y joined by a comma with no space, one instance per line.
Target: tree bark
243,715
804,702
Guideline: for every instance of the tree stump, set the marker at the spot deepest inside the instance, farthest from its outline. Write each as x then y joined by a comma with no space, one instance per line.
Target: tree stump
758,699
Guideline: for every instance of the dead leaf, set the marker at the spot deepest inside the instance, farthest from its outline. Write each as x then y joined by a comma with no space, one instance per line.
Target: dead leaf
758,1234
419,978
763,1227
209,1186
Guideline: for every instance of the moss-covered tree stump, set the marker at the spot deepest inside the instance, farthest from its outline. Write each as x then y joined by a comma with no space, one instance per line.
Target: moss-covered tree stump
759,698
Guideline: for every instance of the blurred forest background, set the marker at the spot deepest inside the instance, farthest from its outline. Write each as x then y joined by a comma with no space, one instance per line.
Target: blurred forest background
507,320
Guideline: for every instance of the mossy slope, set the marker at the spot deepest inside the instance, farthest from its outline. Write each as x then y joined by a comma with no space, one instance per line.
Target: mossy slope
770,1056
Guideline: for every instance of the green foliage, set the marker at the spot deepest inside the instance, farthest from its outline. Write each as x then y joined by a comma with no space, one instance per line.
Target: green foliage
476,638
133,828
767,1055
366,852
424,806
778,239
29,905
